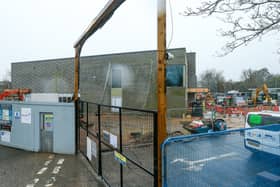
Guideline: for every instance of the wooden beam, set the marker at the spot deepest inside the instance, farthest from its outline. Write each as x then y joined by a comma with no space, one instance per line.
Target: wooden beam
104,15
77,72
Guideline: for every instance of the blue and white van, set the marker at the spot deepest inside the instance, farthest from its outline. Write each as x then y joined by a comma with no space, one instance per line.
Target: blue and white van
265,133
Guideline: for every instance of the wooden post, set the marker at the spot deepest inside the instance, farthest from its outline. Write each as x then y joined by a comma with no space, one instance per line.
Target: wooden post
76,93
161,88
77,72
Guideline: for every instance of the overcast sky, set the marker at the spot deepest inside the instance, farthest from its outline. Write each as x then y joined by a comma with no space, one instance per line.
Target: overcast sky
36,30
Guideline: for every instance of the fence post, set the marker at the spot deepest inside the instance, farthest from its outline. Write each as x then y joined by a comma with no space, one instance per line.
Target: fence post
77,126
121,150
156,173
99,142
87,119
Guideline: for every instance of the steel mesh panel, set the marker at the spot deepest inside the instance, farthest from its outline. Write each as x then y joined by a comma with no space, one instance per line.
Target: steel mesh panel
138,74
50,76
222,159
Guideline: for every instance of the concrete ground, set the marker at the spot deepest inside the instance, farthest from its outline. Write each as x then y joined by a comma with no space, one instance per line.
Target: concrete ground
20,168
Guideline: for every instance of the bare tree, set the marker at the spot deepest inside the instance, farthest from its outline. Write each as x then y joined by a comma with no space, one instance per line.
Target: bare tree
248,19
7,76
213,80
256,78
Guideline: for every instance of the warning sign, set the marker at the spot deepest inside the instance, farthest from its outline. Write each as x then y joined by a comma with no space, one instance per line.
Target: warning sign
120,158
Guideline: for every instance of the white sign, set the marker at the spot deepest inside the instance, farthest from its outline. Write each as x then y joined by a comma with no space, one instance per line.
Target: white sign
113,140
5,115
26,115
89,148
116,101
93,149
5,136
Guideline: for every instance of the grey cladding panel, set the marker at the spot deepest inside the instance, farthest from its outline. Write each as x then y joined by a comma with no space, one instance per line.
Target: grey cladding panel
138,74
54,76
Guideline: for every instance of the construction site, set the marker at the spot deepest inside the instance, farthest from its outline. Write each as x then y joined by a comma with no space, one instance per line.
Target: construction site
135,119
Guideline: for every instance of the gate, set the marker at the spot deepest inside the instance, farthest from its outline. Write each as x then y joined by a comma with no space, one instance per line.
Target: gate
119,143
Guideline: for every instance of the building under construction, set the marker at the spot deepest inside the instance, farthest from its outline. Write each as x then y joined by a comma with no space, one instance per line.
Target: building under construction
124,79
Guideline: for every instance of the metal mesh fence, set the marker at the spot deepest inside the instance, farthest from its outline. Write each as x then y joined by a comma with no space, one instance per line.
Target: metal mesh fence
243,157
119,143
88,134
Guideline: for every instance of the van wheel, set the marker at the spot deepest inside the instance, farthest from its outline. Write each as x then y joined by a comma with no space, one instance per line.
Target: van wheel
220,125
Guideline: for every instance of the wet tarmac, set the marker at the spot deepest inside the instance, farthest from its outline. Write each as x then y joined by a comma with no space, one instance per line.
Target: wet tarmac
220,159
20,168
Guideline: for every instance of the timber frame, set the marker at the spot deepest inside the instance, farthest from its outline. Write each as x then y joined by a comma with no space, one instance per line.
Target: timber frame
104,15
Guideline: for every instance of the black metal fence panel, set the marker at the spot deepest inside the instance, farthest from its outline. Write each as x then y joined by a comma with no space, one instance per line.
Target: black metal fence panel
119,143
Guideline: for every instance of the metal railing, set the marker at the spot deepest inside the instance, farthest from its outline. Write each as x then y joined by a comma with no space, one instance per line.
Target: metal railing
119,143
